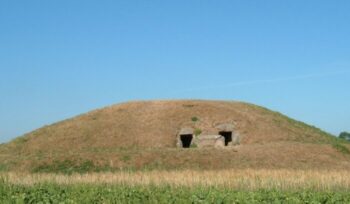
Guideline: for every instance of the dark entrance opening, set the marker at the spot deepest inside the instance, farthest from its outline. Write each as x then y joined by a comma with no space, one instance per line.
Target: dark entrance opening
227,136
186,140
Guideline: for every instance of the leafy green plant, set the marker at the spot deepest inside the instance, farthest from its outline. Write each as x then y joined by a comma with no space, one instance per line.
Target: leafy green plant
194,119
87,193
197,132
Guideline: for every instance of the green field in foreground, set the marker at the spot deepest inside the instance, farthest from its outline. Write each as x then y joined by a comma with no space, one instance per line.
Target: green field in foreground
88,193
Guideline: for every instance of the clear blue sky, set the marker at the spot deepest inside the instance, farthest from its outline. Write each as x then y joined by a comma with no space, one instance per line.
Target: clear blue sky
63,58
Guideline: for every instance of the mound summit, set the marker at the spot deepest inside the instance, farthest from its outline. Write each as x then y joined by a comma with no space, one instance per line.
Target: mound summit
152,134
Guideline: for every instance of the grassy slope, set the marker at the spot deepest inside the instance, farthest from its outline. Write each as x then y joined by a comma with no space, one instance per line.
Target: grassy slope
142,135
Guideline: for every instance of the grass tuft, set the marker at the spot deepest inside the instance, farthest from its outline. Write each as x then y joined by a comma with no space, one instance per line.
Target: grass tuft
69,167
341,148
197,132
195,119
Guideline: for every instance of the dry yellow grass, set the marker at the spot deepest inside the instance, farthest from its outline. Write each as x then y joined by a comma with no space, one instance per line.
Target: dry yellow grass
145,133
150,124
249,179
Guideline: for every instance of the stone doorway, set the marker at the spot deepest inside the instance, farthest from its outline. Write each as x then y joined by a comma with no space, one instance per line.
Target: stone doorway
186,140
227,135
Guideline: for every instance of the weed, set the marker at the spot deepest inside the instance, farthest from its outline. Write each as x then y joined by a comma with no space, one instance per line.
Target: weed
68,167
21,140
80,193
3,167
197,132
194,119
126,158
341,148
193,145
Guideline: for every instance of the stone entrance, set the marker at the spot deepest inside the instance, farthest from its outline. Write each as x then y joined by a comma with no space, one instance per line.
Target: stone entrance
219,136
227,135
186,140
